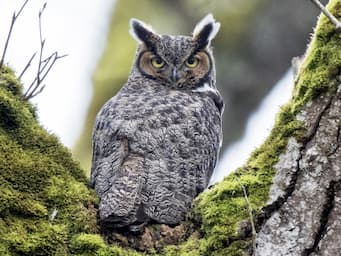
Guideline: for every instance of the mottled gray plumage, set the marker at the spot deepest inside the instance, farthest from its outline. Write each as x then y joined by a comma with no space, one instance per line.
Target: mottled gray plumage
156,143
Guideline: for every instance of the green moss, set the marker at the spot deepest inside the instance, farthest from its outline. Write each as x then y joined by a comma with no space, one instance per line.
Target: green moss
87,243
323,61
42,238
9,82
37,176
38,179
116,251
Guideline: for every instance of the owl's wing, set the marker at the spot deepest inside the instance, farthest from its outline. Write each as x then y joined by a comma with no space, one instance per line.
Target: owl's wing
115,175
209,158
107,152
211,154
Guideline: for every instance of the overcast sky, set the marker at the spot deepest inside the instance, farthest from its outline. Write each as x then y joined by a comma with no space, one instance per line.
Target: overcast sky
77,28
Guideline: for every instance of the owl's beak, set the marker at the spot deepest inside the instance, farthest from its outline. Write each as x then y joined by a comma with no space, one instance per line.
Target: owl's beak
175,76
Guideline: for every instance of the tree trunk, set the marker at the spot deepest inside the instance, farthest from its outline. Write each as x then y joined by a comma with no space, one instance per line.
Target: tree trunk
307,189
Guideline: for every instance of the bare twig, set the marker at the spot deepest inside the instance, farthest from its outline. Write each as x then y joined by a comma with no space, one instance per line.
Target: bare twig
27,65
37,92
44,64
14,18
330,16
55,58
249,208
42,43
48,63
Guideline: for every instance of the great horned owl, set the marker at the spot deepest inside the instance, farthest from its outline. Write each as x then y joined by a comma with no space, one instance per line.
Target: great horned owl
156,143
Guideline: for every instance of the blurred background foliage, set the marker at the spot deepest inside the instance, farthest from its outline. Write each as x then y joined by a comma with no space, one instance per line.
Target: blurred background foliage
253,49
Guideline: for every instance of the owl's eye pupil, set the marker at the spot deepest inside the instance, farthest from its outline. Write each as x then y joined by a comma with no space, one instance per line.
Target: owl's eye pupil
190,61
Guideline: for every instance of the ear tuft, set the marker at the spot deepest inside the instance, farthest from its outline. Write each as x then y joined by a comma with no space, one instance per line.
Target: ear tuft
142,32
206,30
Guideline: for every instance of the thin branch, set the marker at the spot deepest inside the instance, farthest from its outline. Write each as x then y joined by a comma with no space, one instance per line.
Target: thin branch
22,8
42,43
42,75
39,91
249,208
44,64
14,18
330,16
35,82
27,65
47,59
57,57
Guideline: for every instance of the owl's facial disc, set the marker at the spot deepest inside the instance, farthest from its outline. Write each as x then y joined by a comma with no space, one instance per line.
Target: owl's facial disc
176,61
183,74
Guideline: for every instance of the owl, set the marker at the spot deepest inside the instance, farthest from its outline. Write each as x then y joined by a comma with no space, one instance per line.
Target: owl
156,143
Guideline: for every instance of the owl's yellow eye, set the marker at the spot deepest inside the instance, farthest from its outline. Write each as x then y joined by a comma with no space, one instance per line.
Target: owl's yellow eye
157,62
192,62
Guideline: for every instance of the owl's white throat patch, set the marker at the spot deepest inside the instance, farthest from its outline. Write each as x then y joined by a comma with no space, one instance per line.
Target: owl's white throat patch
205,88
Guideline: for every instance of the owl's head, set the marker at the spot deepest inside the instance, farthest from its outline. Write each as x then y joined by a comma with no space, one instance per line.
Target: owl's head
182,62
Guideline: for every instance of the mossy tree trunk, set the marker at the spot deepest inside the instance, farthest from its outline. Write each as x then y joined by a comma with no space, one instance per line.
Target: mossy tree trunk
306,194
303,212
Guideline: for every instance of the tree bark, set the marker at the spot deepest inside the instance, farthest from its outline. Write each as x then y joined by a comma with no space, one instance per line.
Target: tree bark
307,181
306,189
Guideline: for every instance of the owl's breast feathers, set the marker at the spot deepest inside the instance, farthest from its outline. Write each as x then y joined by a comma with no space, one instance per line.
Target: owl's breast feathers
154,150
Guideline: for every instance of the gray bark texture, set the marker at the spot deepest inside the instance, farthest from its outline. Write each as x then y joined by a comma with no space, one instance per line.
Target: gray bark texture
307,188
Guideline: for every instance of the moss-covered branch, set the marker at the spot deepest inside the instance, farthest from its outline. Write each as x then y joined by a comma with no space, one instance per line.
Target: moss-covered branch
38,177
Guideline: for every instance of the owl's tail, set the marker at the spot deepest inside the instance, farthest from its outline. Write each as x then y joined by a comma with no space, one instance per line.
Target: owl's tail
120,205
